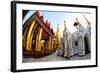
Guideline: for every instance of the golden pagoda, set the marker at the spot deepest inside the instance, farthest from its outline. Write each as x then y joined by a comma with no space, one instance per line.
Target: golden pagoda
58,37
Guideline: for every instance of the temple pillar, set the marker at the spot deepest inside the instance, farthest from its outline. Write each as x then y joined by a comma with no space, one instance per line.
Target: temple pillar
28,46
81,51
38,40
50,44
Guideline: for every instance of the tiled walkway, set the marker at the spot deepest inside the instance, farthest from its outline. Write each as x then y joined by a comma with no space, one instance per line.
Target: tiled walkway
55,57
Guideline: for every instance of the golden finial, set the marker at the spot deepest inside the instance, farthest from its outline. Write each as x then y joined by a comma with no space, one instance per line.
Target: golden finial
57,29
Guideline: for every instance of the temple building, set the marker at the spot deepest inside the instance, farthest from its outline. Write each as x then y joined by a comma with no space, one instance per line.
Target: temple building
77,43
38,37
81,39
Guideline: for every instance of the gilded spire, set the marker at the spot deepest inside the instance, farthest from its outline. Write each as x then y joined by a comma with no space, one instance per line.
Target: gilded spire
57,28
58,32
58,37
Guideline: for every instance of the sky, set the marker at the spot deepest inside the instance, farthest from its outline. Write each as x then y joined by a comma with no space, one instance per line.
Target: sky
56,18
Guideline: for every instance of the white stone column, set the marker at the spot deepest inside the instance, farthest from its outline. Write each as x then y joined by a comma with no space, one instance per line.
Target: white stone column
65,47
70,46
81,50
